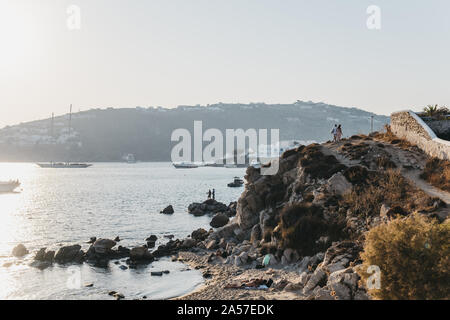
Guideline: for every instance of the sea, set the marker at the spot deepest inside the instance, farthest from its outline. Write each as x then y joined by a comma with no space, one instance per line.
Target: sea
57,207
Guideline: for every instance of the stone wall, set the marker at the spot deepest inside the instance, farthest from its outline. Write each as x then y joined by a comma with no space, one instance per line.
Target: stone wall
409,126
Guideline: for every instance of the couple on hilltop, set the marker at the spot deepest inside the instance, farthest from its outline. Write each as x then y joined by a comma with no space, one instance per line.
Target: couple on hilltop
337,133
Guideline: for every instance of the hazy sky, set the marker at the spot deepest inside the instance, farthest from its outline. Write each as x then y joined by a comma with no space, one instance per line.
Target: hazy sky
172,52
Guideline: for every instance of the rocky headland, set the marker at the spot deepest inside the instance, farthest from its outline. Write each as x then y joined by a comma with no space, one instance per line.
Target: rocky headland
298,234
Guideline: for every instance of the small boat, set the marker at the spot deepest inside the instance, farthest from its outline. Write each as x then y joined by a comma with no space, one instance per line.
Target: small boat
185,165
9,186
61,165
130,158
238,182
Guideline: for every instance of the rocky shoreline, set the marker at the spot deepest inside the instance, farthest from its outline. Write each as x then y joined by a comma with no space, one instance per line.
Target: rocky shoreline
294,235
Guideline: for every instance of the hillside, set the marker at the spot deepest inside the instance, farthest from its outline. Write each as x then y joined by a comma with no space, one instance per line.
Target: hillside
108,134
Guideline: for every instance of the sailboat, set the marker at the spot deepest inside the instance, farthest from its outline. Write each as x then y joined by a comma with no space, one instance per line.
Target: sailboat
59,165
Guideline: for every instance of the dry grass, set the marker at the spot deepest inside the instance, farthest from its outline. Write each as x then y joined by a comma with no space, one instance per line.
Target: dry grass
391,138
390,188
413,255
437,173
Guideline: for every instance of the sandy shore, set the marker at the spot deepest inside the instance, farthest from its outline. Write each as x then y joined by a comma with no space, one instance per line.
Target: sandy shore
222,275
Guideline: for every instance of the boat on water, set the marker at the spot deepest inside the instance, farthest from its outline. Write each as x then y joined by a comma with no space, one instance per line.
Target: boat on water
130,158
61,165
185,165
238,182
9,186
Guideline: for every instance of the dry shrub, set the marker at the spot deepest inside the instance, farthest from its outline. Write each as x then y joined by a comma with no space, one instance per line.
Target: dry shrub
384,162
303,224
317,165
388,187
437,172
413,255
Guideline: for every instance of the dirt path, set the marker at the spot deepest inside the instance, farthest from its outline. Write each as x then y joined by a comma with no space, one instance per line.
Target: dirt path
410,162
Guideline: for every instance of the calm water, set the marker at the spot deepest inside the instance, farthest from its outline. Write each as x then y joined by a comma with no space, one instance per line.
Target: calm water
66,206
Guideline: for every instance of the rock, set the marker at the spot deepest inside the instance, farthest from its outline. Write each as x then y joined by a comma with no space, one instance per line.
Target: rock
122,267
140,254
188,243
304,277
150,244
68,254
209,206
361,295
290,255
199,234
156,273
256,233
89,285
293,287
40,254
103,245
223,243
168,210
338,184
49,256
92,240
118,296
340,291
237,261
152,238
318,276
19,251
211,245
219,220
323,294
244,257
117,239
41,265
169,236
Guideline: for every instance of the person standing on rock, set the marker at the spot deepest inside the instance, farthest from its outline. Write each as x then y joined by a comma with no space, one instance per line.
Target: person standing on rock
333,132
209,194
214,194
339,133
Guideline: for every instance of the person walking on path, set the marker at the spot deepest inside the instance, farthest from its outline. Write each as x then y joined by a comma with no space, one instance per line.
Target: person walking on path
214,194
339,133
209,194
334,132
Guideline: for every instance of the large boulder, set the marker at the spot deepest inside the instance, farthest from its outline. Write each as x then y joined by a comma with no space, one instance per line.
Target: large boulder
210,207
103,245
199,234
219,220
338,184
19,251
140,254
168,210
69,254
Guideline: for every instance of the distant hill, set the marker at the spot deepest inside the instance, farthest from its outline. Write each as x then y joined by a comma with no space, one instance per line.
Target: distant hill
108,134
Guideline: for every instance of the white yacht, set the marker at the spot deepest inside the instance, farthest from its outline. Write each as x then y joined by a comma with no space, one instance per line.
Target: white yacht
60,165
185,165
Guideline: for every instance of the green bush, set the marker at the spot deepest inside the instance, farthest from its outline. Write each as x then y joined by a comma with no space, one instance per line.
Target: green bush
413,255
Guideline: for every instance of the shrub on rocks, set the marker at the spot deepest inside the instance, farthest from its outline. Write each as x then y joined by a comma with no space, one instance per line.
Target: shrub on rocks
303,224
413,255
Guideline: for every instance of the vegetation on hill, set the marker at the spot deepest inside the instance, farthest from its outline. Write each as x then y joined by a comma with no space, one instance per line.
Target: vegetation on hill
413,255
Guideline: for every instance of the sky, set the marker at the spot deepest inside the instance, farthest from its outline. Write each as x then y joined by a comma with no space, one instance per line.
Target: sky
187,52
